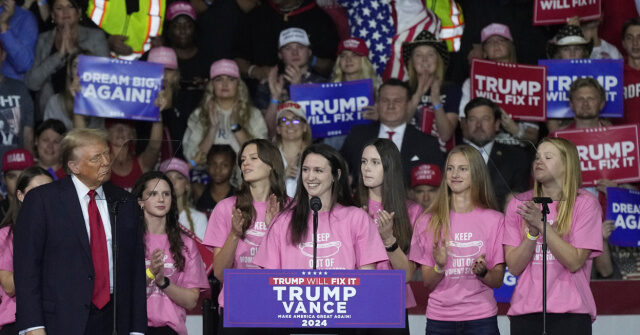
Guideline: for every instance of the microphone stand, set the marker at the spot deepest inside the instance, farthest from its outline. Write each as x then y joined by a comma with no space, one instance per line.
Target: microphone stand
316,205
114,246
315,238
545,201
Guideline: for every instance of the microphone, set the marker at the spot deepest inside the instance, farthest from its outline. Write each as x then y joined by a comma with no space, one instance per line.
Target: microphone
542,200
316,205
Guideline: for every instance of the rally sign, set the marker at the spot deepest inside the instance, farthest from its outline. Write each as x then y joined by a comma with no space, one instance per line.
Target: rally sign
606,153
561,73
114,88
314,298
623,208
518,89
333,108
547,12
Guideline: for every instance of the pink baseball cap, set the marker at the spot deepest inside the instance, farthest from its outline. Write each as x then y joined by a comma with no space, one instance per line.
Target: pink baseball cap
180,8
355,44
165,56
16,159
495,29
175,164
426,174
224,67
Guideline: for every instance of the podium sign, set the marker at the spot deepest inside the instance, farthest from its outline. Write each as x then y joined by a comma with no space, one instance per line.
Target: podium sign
314,298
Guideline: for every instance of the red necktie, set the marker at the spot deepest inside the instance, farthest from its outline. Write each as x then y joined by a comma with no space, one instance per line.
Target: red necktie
391,133
99,254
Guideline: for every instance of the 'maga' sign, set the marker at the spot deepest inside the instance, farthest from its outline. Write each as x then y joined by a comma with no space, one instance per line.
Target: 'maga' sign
120,89
623,208
314,298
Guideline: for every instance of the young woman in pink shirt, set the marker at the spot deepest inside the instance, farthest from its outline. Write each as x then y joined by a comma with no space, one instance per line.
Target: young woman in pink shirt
347,236
574,238
382,194
239,223
175,271
458,244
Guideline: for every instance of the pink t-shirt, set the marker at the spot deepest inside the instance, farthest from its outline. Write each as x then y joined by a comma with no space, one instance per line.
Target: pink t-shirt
347,239
414,210
219,228
566,292
461,295
161,310
7,304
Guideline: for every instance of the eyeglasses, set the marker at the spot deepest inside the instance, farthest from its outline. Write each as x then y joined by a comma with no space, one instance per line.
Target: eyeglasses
288,122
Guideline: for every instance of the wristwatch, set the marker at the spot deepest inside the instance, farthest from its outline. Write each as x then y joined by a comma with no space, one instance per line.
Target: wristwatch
166,283
236,127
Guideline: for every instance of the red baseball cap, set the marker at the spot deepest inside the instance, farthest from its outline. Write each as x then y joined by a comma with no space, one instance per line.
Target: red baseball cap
16,159
426,174
355,44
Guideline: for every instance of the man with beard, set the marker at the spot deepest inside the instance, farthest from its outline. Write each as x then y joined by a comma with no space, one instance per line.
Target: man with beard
509,165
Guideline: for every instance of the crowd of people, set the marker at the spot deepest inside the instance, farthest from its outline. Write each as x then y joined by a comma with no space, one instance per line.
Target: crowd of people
437,183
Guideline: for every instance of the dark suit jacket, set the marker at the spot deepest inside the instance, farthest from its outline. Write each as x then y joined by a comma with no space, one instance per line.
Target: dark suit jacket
510,170
417,148
53,266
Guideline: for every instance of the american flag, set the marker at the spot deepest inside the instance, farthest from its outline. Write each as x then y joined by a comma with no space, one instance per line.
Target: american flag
385,25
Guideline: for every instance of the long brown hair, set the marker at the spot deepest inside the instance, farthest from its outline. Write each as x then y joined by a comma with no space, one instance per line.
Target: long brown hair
571,182
270,155
22,183
340,192
393,190
172,225
481,192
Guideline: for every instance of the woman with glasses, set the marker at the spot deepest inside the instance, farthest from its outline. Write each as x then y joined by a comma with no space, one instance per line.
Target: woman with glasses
293,134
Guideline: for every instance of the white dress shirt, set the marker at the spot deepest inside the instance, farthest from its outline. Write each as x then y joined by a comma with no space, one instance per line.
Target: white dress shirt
103,208
397,137
485,150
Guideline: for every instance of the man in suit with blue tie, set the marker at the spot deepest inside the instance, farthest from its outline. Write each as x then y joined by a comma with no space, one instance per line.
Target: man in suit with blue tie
65,257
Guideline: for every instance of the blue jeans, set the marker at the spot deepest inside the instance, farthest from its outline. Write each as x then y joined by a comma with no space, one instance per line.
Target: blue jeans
487,326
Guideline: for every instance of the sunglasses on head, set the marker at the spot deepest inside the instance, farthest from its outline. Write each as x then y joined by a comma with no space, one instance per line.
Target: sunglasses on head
287,122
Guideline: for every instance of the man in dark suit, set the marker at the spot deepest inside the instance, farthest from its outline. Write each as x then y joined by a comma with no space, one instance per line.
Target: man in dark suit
64,243
509,165
415,146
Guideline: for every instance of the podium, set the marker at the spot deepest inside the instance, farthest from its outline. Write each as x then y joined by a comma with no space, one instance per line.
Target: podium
314,298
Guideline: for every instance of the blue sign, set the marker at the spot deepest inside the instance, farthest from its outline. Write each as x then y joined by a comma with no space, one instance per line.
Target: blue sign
561,73
114,88
623,207
333,108
504,292
314,298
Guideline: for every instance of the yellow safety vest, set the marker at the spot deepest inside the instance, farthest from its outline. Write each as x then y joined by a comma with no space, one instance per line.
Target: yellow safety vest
450,15
139,27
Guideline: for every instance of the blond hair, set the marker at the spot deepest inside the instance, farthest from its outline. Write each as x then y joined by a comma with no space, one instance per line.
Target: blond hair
366,72
571,182
77,138
413,76
242,106
481,192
